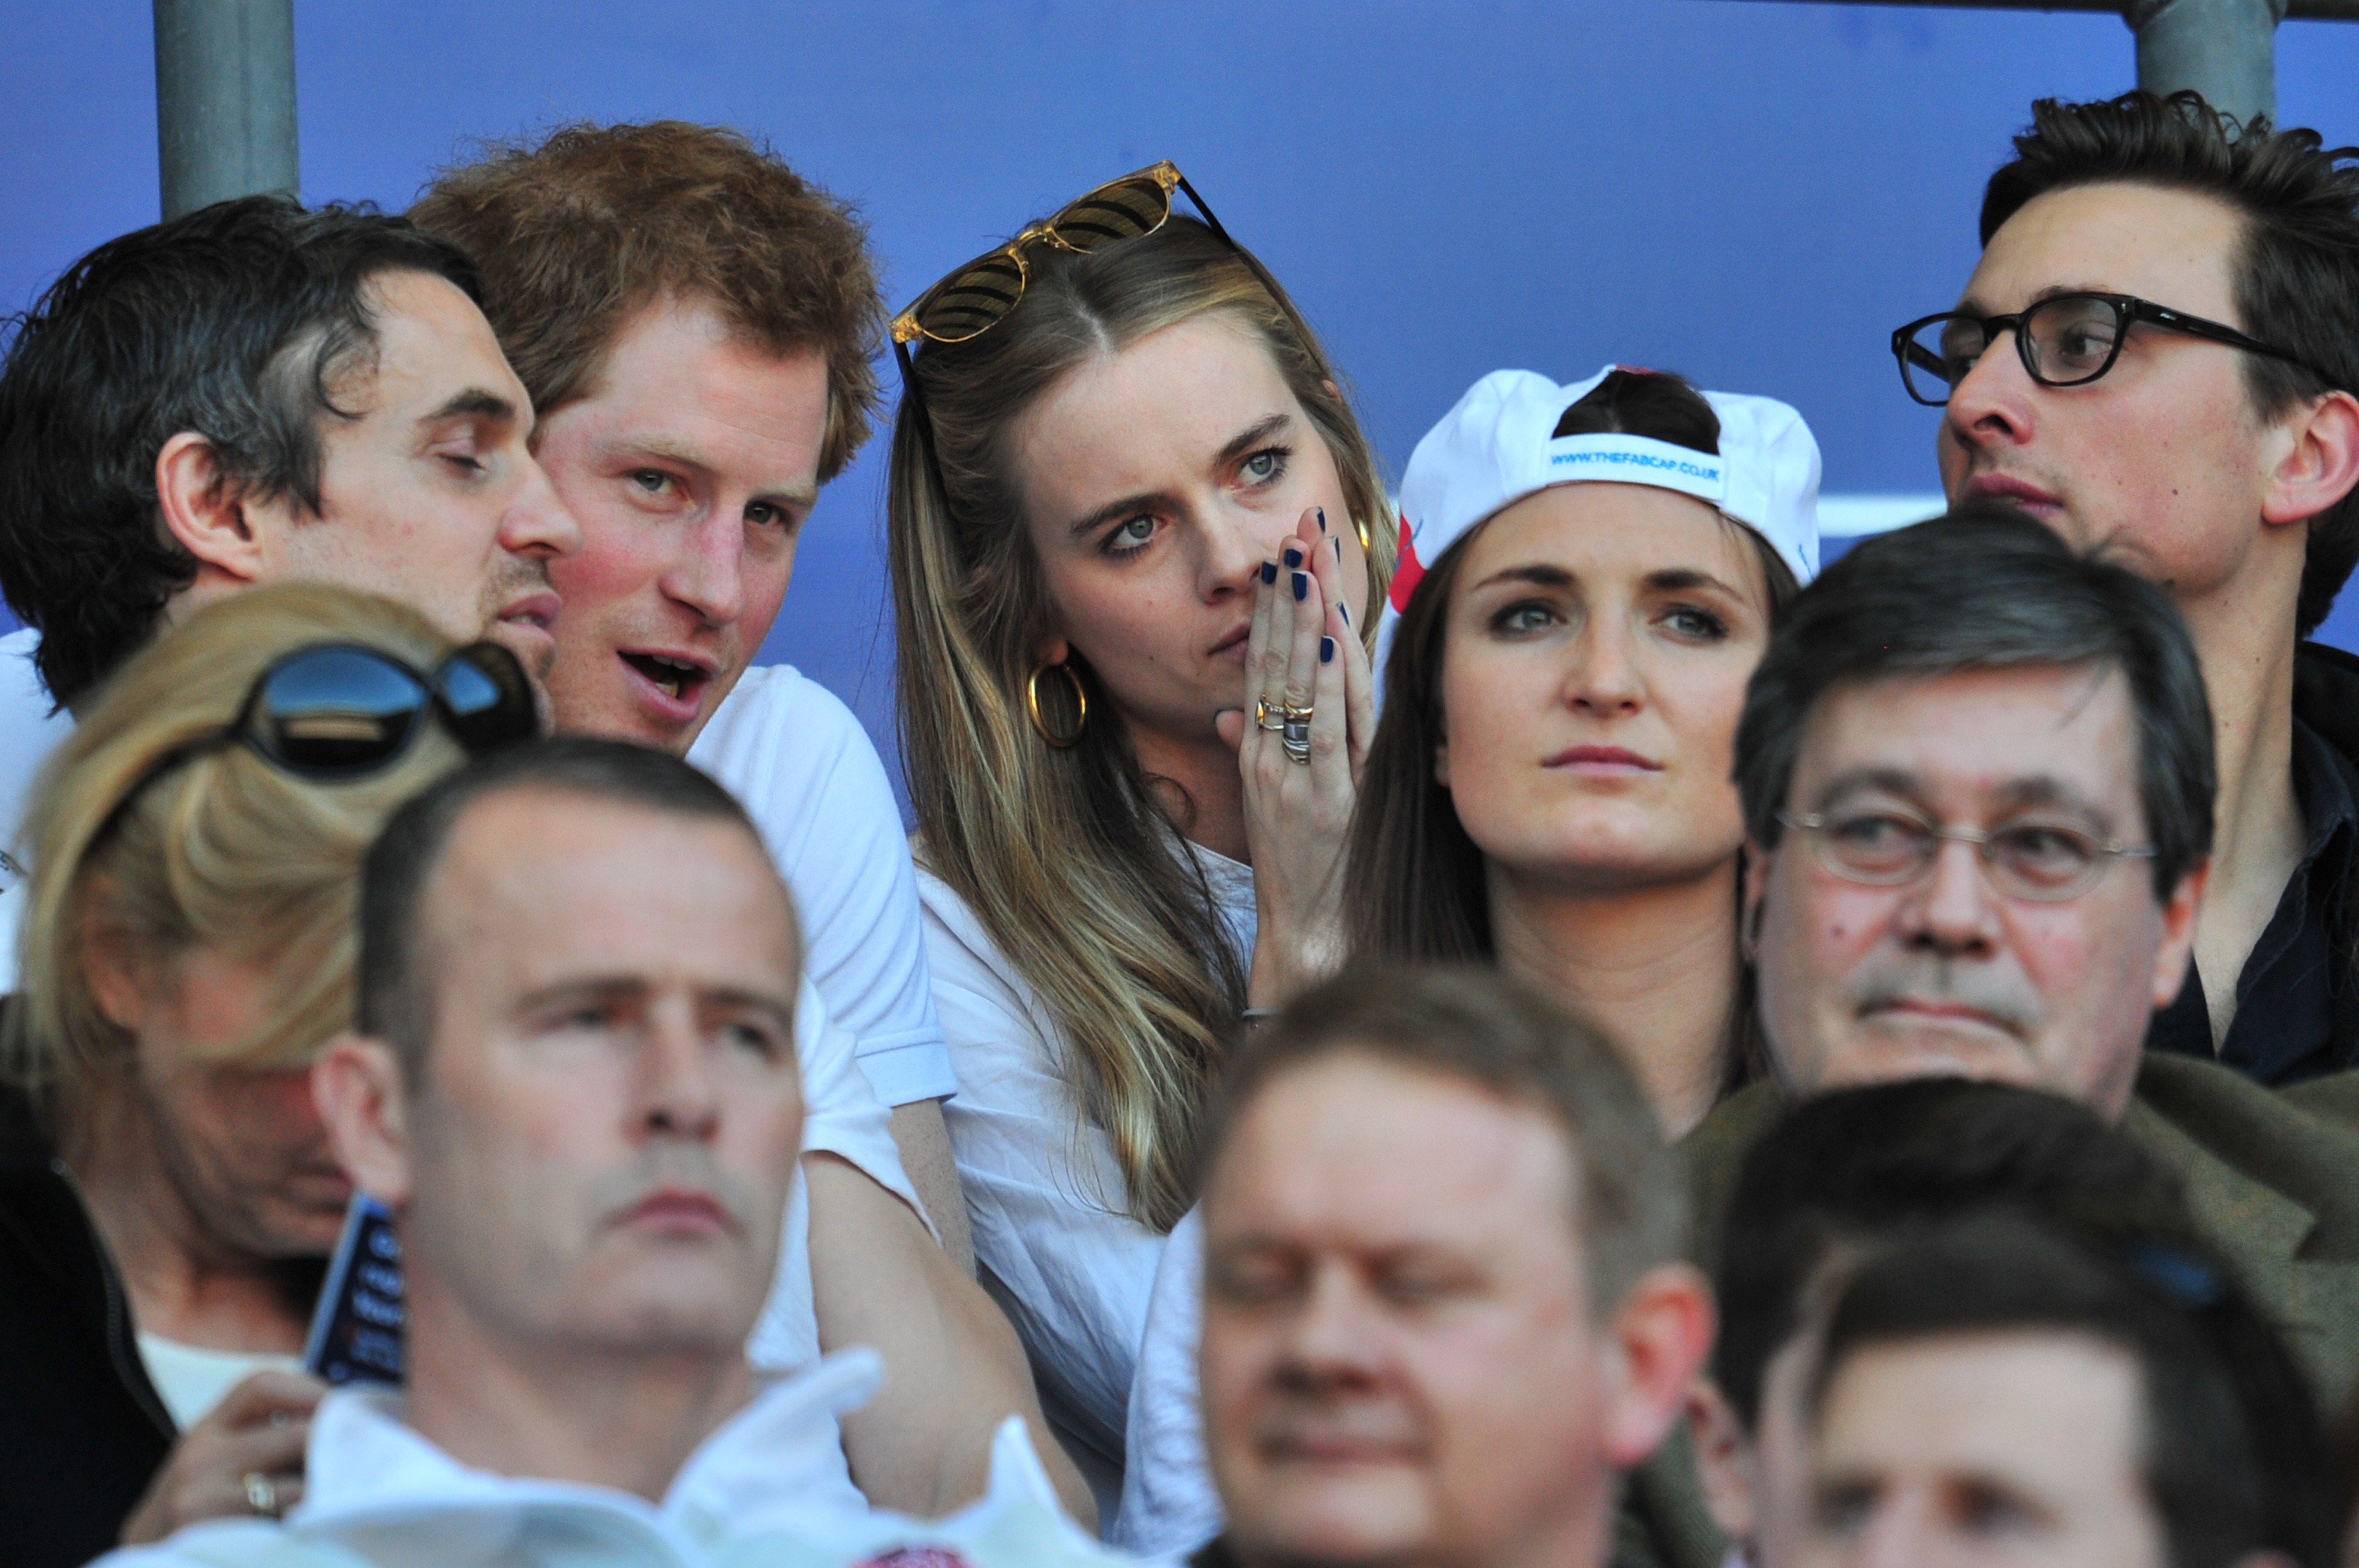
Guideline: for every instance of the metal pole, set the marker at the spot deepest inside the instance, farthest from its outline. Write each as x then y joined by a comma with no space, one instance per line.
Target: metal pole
224,100
2225,50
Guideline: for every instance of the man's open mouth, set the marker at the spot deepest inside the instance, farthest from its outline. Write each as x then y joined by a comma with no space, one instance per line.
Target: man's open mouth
673,677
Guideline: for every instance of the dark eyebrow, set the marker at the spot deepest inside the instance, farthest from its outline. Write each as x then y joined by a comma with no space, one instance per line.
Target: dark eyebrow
1539,573
1682,577
1261,430
1115,511
1973,307
476,402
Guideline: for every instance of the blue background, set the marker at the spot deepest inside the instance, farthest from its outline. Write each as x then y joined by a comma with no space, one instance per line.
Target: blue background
1751,193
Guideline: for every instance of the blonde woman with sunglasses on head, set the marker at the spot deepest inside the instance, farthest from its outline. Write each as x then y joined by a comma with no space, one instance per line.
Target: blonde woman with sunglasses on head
167,1193
1138,541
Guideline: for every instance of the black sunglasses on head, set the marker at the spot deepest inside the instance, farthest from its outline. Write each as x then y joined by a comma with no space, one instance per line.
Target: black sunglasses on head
335,712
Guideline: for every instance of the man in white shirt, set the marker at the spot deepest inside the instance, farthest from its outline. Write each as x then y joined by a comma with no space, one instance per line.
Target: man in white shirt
695,322
577,1092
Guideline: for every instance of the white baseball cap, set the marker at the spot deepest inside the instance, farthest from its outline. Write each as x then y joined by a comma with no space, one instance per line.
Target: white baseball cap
1499,445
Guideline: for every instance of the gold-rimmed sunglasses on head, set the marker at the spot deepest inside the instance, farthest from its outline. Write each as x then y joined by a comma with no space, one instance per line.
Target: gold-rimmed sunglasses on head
978,296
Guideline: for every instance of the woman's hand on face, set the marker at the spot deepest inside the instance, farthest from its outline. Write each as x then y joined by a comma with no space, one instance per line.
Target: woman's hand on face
259,1429
1304,652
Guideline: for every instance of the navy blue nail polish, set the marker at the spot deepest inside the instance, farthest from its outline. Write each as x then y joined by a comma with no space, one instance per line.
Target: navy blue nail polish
1339,547
1269,571
1293,556
1301,586
1343,610
1326,650
1322,519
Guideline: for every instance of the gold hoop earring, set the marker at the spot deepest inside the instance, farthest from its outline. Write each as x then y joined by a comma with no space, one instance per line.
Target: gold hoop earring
1360,525
1081,705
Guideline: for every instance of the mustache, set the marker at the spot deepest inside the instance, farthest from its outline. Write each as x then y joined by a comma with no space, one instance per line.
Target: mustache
1915,977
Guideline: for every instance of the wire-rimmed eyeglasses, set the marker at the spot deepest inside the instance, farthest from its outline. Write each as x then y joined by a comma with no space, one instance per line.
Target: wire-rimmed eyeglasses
2028,857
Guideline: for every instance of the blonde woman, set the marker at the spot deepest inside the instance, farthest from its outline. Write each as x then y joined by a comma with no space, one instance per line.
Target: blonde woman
1137,542
169,1195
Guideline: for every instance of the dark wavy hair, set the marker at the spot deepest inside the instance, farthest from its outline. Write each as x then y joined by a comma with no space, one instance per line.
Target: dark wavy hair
1985,587
2295,270
235,321
2224,1436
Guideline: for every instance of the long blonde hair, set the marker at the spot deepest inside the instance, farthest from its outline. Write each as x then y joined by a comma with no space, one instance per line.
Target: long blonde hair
219,849
1064,854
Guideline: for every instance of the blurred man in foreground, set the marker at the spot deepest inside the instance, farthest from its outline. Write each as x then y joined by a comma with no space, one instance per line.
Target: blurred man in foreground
1442,1313
578,1094
1998,1391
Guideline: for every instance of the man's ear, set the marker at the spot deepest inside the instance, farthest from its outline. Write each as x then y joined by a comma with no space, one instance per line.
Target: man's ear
1752,871
2179,913
1723,1457
209,513
1660,1337
363,1098
2321,464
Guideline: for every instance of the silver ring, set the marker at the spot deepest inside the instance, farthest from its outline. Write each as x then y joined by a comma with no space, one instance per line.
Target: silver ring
1297,741
262,1494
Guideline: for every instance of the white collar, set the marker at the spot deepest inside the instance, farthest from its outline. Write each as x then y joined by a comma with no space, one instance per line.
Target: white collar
372,1480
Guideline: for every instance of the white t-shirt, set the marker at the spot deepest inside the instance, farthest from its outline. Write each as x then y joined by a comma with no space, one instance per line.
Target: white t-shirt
191,1379
29,733
769,1487
1170,1506
1044,1191
811,779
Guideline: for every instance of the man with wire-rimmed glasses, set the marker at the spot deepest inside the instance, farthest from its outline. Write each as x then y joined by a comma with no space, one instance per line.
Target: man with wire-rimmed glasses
1975,768
2157,356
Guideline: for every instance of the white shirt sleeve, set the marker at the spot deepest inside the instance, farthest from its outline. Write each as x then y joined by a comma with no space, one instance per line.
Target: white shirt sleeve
29,733
1169,1505
811,779
842,1116
1044,1191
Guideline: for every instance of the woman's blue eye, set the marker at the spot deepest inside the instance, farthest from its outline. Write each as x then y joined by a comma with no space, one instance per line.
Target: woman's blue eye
1265,466
1523,618
1702,624
1131,535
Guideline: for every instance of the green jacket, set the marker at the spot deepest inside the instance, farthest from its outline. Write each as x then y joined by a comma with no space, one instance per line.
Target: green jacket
2272,1177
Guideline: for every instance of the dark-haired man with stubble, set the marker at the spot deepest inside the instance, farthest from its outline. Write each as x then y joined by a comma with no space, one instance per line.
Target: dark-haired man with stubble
257,393
2158,355
694,321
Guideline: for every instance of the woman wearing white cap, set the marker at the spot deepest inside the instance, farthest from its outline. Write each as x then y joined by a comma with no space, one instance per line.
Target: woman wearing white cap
1549,787
1137,539
1550,784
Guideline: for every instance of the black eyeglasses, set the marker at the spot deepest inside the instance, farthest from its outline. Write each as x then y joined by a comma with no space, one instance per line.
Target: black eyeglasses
2065,339
336,712
2028,857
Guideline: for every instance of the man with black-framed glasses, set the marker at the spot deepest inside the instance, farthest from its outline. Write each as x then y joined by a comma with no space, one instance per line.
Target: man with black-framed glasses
2156,355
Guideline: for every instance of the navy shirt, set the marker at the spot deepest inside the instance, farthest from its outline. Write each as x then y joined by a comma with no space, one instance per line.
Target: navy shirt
2295,996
